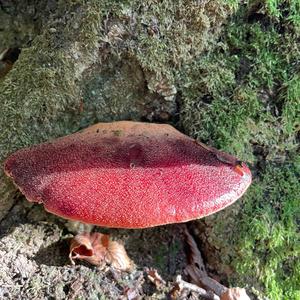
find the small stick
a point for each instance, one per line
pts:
(196, 268)
(213, 285)
(192, 287)
(196, 257)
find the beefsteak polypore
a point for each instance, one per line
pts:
(128, 175)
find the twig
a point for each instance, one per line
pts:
(196, 269)
(196, 257)
(213, 285)
(192, 287)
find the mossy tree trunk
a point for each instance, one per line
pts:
(224, 72)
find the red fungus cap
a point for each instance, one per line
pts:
(128, 175)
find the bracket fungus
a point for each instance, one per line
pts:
(128, 175)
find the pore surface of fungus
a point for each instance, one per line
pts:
(128, 175)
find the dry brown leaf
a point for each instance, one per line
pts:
(117, 256)
(235, 294)
(89, 247)
(97, 249)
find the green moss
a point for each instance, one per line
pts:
(172, 33)
(291, 105)
(109, 90)
(244, 96)
(20, 22)
(268, 239)
(245, 92)
(47, 74)
(288, 11)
